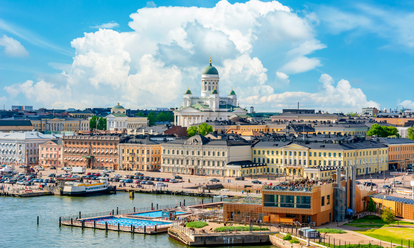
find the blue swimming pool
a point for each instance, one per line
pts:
(128, 222)
(155, 214)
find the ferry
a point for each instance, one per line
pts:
(80, 189)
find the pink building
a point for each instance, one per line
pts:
(50, 153)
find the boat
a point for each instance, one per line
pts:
(80, 189)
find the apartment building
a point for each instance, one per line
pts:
(51, 153)
(400, 152)
(140, 154)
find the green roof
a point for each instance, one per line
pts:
(210, 70)
(118, 106)
(214, 91)
(188, 92)
(199, 106)
(232, 93)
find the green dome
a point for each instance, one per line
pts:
(188, 92)
(232, 93)
(210, 70)
(214, 91)
(118, 106)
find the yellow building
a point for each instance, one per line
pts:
(60, 124)
(139, 154)
(342, 129)
(318, 160)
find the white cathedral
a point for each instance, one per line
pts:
(210, 105)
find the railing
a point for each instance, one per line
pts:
(244, 200)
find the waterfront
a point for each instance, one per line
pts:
(19, 229)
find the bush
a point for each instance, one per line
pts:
(294, 241)
(287, 237)
(196, 224)
(330, 230)
(239, 228)
(388, 216)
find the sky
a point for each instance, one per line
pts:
(337, 56)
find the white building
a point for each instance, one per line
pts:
(13, 147)
(210, 105)
(118, 119)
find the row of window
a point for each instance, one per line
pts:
(318, 154)
(400, 148)
(193, 162)
(287, 201)
(90, 142)
(96, 159)
(129, 159)
(205, 153)
(155, 151)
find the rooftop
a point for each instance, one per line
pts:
(300, 185)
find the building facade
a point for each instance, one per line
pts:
(210, 105)
(51, 153)
(201, 156)
(91, 151)
(15, 125)
(400, 153)
(140, 154)
(60, 124)
(15, 146)
(118, 120)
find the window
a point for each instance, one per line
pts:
(320, 154)
(258, 152)
(254, 152)
(328, 199)
(323, 201)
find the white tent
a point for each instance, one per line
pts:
(5, 169)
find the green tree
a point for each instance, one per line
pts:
(102, 123)
(352, 114)
(92, 122)
(97, 123)
(410, 133)
(371, 205)
(204, 129)
(151, 118)
(388, 215)
(191, 131)
(141, 114)
(381, 131)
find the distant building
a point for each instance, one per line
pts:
(307, 115)
(23, 108)
(162, 109)
(51, 153)
(140, 154)
(118, 119)
(15, 125)
(82, 114)
(370, 111)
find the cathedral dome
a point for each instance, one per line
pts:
(214, 91)
(188, 92)
(210, 70)
(118, 107)
(232, 93)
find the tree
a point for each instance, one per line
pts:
(371, 205)
(151, 118)
(97, 123)
(381, 131)
(92, 122)
(102, 123)
(191, 131)
(204, 129)
(410, 133)
(352, 114)
(141, 114)
(388, 215)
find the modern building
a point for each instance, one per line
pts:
(25, 108)
(91, 151)
(15, 125)
(139, 154)
(15, 145)
(51, 153)
(402, 207)
(400, 152)
(210, 105)
(118, 119)
(200, 156)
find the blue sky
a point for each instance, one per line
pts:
(331, 55)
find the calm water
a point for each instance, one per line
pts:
(18, 226)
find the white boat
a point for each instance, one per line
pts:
(77, 188)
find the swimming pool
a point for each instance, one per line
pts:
(128, 222)
(155, 214)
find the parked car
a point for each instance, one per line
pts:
(240, 178)
(52, 175)
(53, 168)
(215, 180)
(256, 182)
(166, 180)
(177, 177)
(21, 166)
(386, 186)
(106, 171)
(150, 183)
(173, 181)
(397, 182)
(137, 181)
(139, 174)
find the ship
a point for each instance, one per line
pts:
(82, 189)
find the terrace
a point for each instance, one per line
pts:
(300, 185)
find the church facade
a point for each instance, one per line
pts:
(118, 120)
(209, 106)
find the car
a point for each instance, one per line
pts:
(143, 182)
(137, 181)
(138, 174)
(66, 169)
(46, 181)
(150, 183)
(53, 168)
(88, 174)
(166, 180)
(136, 177)
(256, 182)
(21, 166)
(106, 171)
(52, 175)
(240, 178)
(397, 182)
(173, 181)
(21, 182)
(117, 175)
(177, 177)
(97, 174)
(146, 178)
(215, 180)
(386, 186)
(141, 177)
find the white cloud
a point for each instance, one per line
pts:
(407, 104)
(342, 97)
(395, 26)
(108, 25)
(300, 64)
(60, 66)
(12, 47)
(282, 79)
(151, 4)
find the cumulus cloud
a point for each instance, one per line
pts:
(407, 104)
(152, 65)
(395, 26)
(12, 47)
(108, 25)
(339, 97)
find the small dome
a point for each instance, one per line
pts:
(214, 91)
(232, 93)
(118, 106)
(188, 92)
